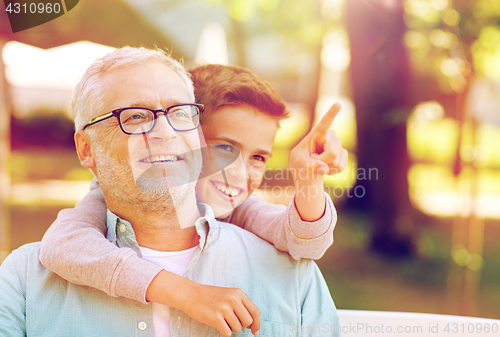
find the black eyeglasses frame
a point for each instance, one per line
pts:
(117, 112)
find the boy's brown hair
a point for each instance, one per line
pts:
(217, 85)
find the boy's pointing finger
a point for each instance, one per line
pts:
(326, 122)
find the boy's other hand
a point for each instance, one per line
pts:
(226, 309)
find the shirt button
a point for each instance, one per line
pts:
(142, 326)
(122, 228)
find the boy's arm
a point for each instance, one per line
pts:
(320, 152)
(283, 227)
(75, 248)
(305, 228)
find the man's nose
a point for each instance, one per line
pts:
(162, 129)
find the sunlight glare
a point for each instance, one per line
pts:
(335, 54)
(212, 47)
(59, 67)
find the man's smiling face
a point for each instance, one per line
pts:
(147, 164)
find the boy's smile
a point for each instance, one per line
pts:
(229, 191)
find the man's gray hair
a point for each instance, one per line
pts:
(88, 92)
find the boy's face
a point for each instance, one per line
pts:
(244, 137)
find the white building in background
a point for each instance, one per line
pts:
(45, 78)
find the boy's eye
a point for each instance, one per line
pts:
(259, 158)
(225, 147)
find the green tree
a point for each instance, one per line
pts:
(404, 53)
(302, 23)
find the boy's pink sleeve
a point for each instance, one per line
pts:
(283, 227)
(75, 248)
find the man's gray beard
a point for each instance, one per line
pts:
(145, 194)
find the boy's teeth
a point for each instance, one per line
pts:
(228, 190)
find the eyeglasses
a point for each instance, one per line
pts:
(137, 121)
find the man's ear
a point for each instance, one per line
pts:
(84, 149)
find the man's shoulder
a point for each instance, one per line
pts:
(24, 258)
(231, 231)
(22, 263)
(237, 239)
(29, 247)
(25, 252)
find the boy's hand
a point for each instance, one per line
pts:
(320, 152)
(226, 309)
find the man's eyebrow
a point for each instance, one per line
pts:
(239, 145)
(135, 104)
(171, 102)
(142, 104)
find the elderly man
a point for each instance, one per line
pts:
(152, 209)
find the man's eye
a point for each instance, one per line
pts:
(134, 117)
(180, 114)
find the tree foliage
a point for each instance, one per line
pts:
(453, 41)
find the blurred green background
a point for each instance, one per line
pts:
(419, 202)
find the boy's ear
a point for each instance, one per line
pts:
(84, 149)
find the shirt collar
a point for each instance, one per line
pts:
(121, 233)
(207, 226)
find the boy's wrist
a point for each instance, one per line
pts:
(170, 289)
(309, 199)
(310, 184)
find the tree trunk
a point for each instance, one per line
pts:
(380, 78)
